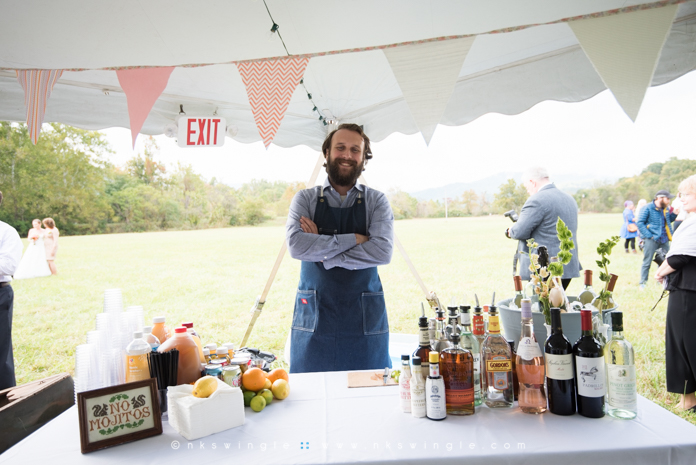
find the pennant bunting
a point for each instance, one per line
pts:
(269, 86)
(142, 88)
(38, 85)
(427, 74)
(625, 49)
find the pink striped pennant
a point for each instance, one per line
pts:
(38, 85)
(270, 85)
(142, 87)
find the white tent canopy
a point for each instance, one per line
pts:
(371, 62)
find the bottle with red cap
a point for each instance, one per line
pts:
(189, 367)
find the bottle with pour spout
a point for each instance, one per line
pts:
(423, 342)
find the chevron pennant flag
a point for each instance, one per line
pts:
(270, 85)
(142, 87)
(37, 85)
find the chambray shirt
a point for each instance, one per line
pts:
(341, 250)
(10, 251)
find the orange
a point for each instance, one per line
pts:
(254, 379)
(278, 373)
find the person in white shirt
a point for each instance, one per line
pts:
(10, 254)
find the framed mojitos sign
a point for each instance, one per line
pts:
(118, 414)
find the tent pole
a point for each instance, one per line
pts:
(260, 300)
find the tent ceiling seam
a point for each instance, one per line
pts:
(640, 7)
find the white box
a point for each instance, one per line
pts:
(194, 418)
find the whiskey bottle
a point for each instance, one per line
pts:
(497, 361)
(621, 373)
(529, 364)
(517, 299)
(515, 381)
(587, 295)
(457, 366)
(435, 405)
(560, 376)
(417, 389)
(423, 342)
(469, 342)
(589, 370)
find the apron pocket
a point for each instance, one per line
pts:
(305, 316)
(374, 313)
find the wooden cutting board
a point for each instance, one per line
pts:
(357, 379)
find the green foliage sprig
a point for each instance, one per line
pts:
(540, 274)
(604, 250)
(108, 431)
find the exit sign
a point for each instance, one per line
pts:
(202, 131)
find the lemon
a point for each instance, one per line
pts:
(280, 389)
(248, 395)
(266, 394)
(267, 384)
(258, 403)
(205, 387)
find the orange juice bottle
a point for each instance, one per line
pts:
(159, 330)
(137, 368)
(197, 340)
(189, 368)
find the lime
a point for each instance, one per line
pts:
(258, 403)
(266, 394)
(248, 395)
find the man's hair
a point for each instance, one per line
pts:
(535, 173)
(49, 222)
(326, 146)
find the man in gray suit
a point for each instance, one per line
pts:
(538, 220)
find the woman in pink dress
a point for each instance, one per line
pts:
(51, 243)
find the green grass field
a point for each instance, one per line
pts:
(212, 277)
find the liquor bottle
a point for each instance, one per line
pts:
(497, 361)
(588, 294)
(469, 342)
(432, 331)
(441, 342)
(621, 373)
(457, 366)
(423, 342)
(435, 405)
(417, 389)
(515, 381)
(589, 370)
(405, 384)
(479, 333)
(529, 364)
(517, 299)
(560, 376)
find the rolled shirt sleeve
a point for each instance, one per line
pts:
(342, 250)
(11, 248)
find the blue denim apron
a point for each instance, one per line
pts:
(340, 319)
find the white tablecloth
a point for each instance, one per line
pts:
(325, 422)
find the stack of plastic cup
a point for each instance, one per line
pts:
(139, 318)
(113, 301)
(101, 339)
(87, 373)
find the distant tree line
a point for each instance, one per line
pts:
(610, 198)
(66, 176)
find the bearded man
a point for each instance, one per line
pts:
(341, 231)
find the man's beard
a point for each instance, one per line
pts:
(346, 180)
